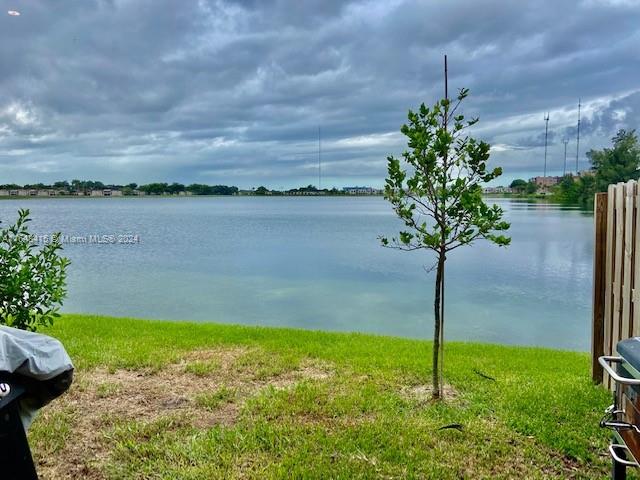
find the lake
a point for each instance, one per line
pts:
(316, 263)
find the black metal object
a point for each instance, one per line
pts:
(15, 456)
(623, 416)
(624, 369)
(618, 469)
(16, 393)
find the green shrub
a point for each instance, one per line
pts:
(32, 279)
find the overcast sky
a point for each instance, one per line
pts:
(234, 92)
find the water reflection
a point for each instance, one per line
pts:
(316, 263)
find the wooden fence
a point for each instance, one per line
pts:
(616, 269)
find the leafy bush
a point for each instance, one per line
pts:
(32, 279)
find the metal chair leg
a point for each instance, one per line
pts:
(619, 470)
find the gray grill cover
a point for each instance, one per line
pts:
(629, 349)
(32, 355)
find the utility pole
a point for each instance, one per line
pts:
(578, 138)
(564, 170)
(546, 132)
(319, 161)
(446, 79)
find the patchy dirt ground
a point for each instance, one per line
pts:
(206, 388)
(423, 394)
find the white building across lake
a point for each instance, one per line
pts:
(53, 192)
(360, 191)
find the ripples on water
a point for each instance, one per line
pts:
(316, 263)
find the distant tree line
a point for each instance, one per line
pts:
(262, 190)
(194, 189)
(77, 186)
(163, 188)
(74, 186)
(619, 163)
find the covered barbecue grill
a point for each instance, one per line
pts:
(623, 416)
(34, 369)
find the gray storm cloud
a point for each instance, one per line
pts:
(234, 92)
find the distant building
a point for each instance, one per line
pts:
(106, 192)
(300, 192)
(497, 190)
(304, 192)
(359, 190)
(47, 193)
(545, 182)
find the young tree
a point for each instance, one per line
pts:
(32, 281)
(439, 197)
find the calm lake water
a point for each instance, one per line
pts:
(316, 263)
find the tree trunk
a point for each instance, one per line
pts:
(442, 281)
(438, 303)
(437, 309)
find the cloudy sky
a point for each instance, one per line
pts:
(225, 92)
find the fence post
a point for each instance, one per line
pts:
(600, 251)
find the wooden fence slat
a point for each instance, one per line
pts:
(618, 266)
(600, 209)
(608, 305)
(616, 272)
(627, 256)
(635, 294)
(632, 245)
(616, 313)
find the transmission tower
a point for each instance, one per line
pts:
(319, 160)
(546, 133)
(578, 138)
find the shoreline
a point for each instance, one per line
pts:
(320, 331)
(537, 198)
(84, 197)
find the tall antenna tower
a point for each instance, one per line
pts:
(546, 133)
(319, 160)
(578, 138)
(564, 169)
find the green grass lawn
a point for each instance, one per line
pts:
(194, 401)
